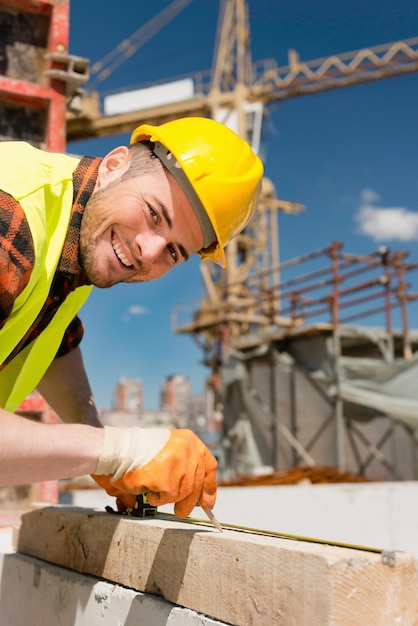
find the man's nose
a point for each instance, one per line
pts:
(151, 246)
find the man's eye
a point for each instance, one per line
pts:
(153, 214)
(173, 252)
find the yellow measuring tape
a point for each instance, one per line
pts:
(272, 533)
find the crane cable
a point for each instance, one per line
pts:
(102, 69)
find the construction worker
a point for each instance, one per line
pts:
(66, 225)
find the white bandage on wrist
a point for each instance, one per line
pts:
(126, 449)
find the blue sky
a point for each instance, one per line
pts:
(348, 155)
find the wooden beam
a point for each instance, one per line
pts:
(238, 577)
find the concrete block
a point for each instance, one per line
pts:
(36, 593)
(241, 578)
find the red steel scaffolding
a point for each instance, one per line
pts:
(38, 78)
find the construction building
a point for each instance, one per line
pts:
(175, 396)
(298, 380)
(128, 395)
(39, 78)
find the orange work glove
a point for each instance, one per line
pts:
(123, 500)
(167, 465)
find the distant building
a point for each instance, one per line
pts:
(128, 395)
(175, 397)
(125, 419)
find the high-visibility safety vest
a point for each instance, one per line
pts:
(42, 183)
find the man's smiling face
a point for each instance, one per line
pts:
(135, 229)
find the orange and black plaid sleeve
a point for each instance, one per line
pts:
(17, 254)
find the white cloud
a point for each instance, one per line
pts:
(134, 309)
(385, 223)
(368, 196)
(137, 309)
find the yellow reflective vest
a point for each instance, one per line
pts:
(42, 184)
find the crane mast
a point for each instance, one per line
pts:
(245, 296)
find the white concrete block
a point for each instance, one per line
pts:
(35, 593)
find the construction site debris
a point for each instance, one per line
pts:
(318, 474)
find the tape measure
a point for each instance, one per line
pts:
(143, 509)
(272, 533)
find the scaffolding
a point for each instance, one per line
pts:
(38, 78)
(314, 386)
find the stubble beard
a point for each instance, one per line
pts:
(89, 245)
(90, 224)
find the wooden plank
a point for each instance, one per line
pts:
(240, 578)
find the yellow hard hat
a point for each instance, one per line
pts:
(217, 170)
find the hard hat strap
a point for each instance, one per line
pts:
(175, 169)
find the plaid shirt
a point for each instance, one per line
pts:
(17, 257)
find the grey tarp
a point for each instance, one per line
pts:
(387, 388)
(369, 387)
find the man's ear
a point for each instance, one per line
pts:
(113, 166)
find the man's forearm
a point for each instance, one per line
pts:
(66, 388)
(168, 465)
(32, 452)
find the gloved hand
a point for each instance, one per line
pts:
(167, 465)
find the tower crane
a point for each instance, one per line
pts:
(237, 91)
